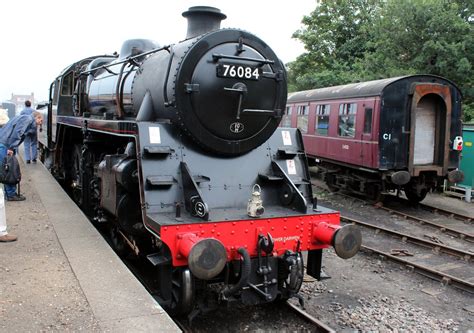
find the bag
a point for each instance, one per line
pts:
(10, 173)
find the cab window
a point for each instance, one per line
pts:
(67, 85)
(55, 92)
(302, 120)
(347, 118)
(322, 119)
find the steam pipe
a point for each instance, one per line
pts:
(244, 275)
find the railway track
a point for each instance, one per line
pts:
(454, 232)
(444, 212)
(442, 228)
(420, 255)
(318, 325)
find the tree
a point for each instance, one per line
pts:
(334, 37)
(429, 37)
(350, 41)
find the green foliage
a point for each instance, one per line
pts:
(359, 40)
(335, 37)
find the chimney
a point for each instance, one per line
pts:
(202, 19)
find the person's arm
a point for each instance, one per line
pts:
(18, 132)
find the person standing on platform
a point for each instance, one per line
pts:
(4, 235)
(31, 137)
(12, 135)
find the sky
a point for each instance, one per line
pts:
(39, 38)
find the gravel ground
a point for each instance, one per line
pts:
(368, 293)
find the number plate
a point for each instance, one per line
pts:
(239, 71)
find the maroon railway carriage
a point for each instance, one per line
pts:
(376, 136)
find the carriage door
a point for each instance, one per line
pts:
(430, 124)
(425, 124)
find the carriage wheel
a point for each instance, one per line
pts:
(331, 182)
(415, 196)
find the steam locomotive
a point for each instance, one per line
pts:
(384, 135)
(176, 151)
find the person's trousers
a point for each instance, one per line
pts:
(3, 216)
(31, 147)
(10, 190)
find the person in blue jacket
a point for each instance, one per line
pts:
(31, 137)
(12, 135)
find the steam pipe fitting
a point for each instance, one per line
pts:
(244, 276)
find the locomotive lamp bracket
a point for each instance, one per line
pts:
(193, 201)
(299, 201)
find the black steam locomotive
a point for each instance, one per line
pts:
(176, 150)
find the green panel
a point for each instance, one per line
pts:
(467, 161)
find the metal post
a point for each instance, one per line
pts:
(468, 194)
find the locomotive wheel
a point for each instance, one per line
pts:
(76, 175)
(117, 242)
(293, 282)
(415, 196)
(182, 292)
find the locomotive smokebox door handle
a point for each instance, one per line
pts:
(240, 88)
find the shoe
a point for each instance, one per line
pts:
(8, 238)
(27, 161)
(16, 198)
(34, 160)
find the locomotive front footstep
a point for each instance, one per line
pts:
(177, 151)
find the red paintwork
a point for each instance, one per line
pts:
(286, 232)
(361, 150)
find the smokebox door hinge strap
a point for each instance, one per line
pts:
(193, 201)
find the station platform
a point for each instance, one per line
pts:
(61, 275)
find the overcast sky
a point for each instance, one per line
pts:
(39, 38)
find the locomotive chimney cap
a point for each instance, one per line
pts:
(205, 10)
(202, 19)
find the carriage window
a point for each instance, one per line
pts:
(347, 113)
(368, 120)
(67, 85)
(286, 121)
(302, 122)
(322, 120)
